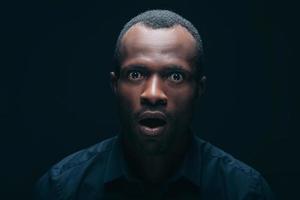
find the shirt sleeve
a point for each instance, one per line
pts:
(260, 191)
(47, 188)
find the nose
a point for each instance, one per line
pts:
(153, 94)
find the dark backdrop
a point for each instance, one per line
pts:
(57, 97)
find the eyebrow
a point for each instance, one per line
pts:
(143, 67)
(135, 66)
(176, 68)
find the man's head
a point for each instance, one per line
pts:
(158, 19)
(157, 80)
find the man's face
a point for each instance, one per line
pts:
(156, 89)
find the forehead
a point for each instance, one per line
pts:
(174, 43)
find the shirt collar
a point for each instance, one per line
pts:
(190, 168)
(115, 167)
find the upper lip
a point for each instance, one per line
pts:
(153, 115)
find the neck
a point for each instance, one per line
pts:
(156, 168)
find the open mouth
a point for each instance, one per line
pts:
(152, 122)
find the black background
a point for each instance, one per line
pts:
(57, 98)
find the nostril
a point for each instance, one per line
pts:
(153, 102)
(158, 98)
(162, 102)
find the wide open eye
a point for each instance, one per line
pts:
(176, 77)
(135, 76)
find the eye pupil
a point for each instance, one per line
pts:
(176, 77)
(134, 75)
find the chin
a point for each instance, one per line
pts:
(153, 148)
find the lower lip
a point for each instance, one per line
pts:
(152, 131)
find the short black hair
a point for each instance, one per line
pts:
(157, 19)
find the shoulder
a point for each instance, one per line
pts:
(225, 174)
(82, 157)
(64, 177)
(218, 159)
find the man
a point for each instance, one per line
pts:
(157, 80)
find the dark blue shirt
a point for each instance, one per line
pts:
(100, 172)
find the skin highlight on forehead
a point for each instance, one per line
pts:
(175, 41)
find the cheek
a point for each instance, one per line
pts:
(128, 97)
(182, 100)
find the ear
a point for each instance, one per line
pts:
(201, 86)
(113, 82)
